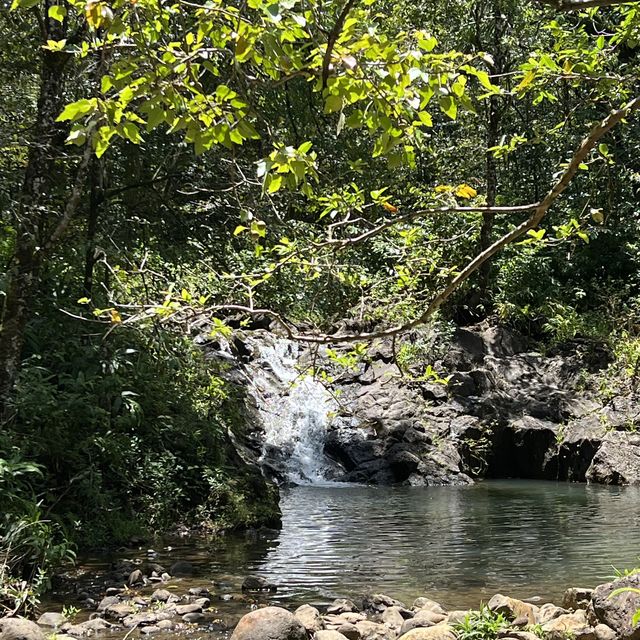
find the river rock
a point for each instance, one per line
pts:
(576, 598)
(270, 623)
(604, 633)
(149, 630)
(107, 602)
(135, 577)
(349, 631)
(193, 616)
(162, 595)
(392, 617)
(95, 624)
(379, 602)
(456, 617)
(549, 611)
(438, 632)
(141, 619)
(183, 609)
(327, 634)
(310, 618)
(513, 609)
(257, 583)
(51, 619)
(119, 610)
(19, 629)
(572, 625)
(617, 611)
(431, 605)
(374, 631)
(342, 605)
(422, 618)
(166, 625)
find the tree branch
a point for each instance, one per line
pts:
(334, 34)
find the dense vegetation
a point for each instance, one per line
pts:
(342, 168)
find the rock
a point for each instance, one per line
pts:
(141, 619)
(310, 618)
(194, 616)
(549, 611)
(456, 617)
(349, 631)
(51, 619)
(199, 591)
(150, 629)
(120, 610)
(183, 609)
(604, 633)
(513, 609)
(329, 635)
(19, 629)
(572, 625)
(617, 611)
(161, 595)
(379, 602)
(618, 459)
(423, 618)
(256, 583)
(107, 602)
(165, 624)
(135, 577)
(426, 603)
(182, 568)
(270, 623)
(438, 632)
(519, 635)
(203, 602)
(342, 605)
(95, 624)
(576, 598)
(373, 631)
(392, 617)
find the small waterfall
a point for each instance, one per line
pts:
(295, 409)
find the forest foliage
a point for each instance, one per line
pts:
(343, 168)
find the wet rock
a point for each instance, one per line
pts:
(342, 605)
(182, 568)
(572, 625)
(513, 609)
(438, 632)
(20, 629)
(257, 583)
(617, 611)
(329, 635)
(374, 631)
(51, 619)
(193, 617)
(310, 618)
(113, 591)
(183, 609)
(576, 598)
(95, 624)
(166, 625)
(140, 619)
(270, 623)
(199, 591)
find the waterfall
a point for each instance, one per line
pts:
(296, 410)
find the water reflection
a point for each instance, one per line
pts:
(458, 544)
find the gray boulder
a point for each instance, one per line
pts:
(617, 611)
(270, 623)
(19, 629)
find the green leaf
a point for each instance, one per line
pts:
(239, 229)
(77, 109)
(57, 12)
(449, 106)
(333, 104)
(131, 132)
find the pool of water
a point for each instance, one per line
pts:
(458, 545)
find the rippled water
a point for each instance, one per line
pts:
(458, 545)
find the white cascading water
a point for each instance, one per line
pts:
(296, 410)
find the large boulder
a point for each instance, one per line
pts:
(617, 611)
(19, 629)
(570, 625)
(618, 460)
(310, 618)
(270, 623)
